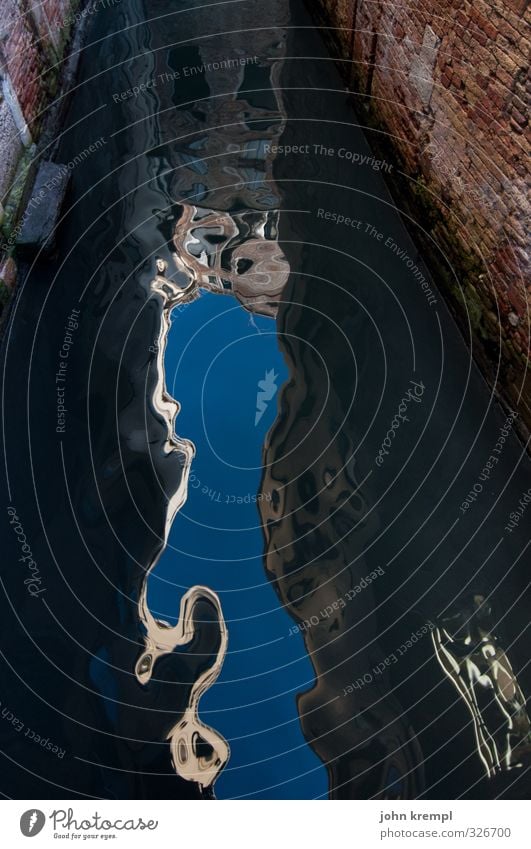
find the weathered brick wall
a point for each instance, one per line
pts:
(449, 83)
(33, 35)
(21, 59)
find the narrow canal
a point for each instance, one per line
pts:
(235, 383)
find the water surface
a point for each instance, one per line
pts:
(243, 444)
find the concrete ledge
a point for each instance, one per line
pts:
(42, 212)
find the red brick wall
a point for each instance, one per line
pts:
(33, 37)
(31, 31)
(450, 82)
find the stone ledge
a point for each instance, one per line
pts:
(42, 212)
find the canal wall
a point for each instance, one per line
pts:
(443, 89)
(35, 71)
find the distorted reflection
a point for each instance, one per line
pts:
(198, 752)
(232, 249)
(232, 254)
(317, 524)
(478, 667)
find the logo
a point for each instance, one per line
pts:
(266, 391)
(32, 822)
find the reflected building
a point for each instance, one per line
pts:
(316, 523)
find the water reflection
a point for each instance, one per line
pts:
(235, 254)
(224, 240)
(317, 526)
(198, 752)
(184, 205)
(223, 254)
(472, 658)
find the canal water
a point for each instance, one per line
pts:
(234, 378)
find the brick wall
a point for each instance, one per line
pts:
(449, 83)
(33, 36)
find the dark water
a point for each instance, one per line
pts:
(332, 425)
